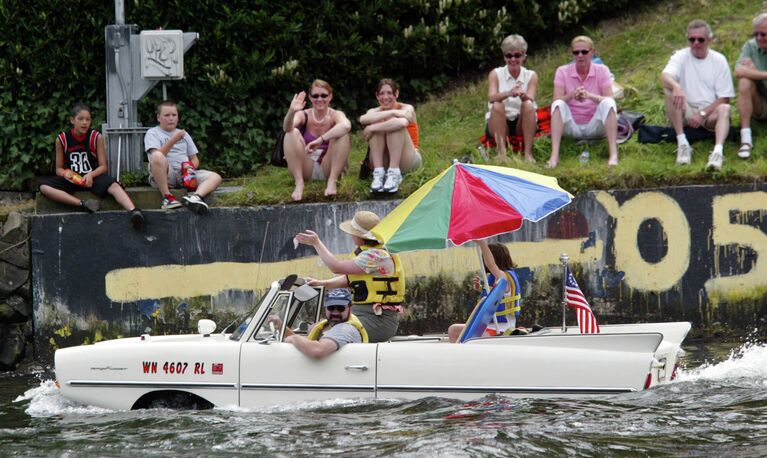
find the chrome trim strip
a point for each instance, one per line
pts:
(353, 388)
(126, 384)
(502, 389)
(435, 389)
(306, 387)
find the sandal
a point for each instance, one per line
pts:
(745, 151)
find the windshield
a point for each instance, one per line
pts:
(296, 314)
(278, 308)
(246, 321)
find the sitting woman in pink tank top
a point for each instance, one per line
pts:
(316, 141)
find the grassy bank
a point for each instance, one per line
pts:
(635, 48)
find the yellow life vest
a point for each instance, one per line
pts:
(512, 299)
(316, 332)
(375, 288)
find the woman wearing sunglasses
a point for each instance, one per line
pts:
(316, 143)
(583, 105)
(511, 104)
(391, 130)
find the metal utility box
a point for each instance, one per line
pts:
(162, 54)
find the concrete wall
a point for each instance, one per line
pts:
(696, 253)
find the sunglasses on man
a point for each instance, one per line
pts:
(336, 308)
(694, 39)
(760, 34)
(582, 52)
(516, 55)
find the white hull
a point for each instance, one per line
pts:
(115, 374)
(252, 367)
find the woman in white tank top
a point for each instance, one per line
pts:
(511, 107)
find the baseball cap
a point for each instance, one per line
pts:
(338, 296)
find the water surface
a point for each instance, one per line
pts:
(717, 406)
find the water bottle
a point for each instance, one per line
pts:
(483, 152)
(584, 157)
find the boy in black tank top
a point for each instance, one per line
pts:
(81, 164)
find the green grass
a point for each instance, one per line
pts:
(636, 48)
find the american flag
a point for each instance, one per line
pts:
(587, 322)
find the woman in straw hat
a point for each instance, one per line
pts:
(374, 275)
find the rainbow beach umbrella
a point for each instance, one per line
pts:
(469, 202)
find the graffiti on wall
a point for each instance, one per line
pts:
(688, 250)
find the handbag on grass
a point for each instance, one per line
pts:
(278, 153)
(365, 167)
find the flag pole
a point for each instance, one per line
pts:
(563, 258)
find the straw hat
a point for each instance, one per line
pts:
(361, 225)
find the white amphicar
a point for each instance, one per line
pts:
(251, 366)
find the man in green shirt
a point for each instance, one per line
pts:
(751, 71)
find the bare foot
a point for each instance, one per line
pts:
(529, 158)
(612, 162)
(501, 159)
(551, 164)
(331, 190)
(298, 193)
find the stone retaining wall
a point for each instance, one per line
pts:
(15, 291)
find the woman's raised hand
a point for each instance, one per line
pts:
(299, 102)
(308, 237)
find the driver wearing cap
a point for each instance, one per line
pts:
(338, 329)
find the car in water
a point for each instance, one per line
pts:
(249, 365)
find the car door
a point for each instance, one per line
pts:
(273, 372)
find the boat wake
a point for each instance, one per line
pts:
(747, 363)
(46, 400)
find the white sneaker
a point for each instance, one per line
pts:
(715, 161)
(393, 179)
(195, 204)
(378, 181)
(745, 151)
(683, 154)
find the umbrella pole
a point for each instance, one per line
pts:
(482, 268)
(484, 279)
(563, 258)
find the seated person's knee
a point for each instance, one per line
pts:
(157, 159)
(527, 107)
